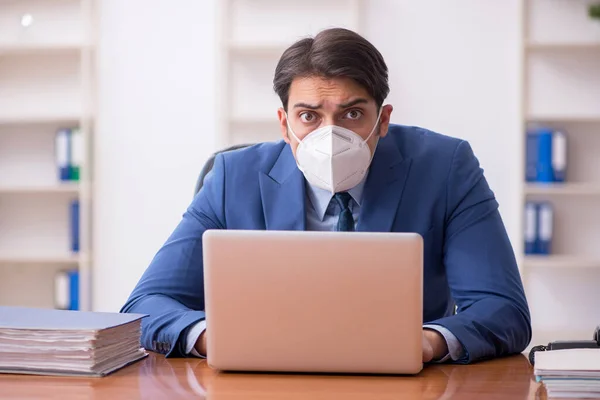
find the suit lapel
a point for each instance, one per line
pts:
(283, 193)
(383, 188)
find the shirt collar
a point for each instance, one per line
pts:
(320, 198)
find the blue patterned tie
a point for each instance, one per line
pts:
(346, 220)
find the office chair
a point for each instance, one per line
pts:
(210, 162)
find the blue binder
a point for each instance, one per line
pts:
(63, 154)
(544, 156)
(531, 156)
(545, 228)
(74, 222)
(559, 156)
(66, 290)
(531, 228)
(73, 290)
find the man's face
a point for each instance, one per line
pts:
(315, 102)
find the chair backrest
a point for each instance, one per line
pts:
(209, 165)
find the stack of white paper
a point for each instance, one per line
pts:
(573, 373)
(58, 342)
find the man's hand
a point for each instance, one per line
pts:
(434, 345)
(200, 345)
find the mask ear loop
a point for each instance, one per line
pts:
(287, 122)
(364, 143)
(374, 127)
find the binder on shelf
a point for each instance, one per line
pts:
(63, 153)
(531, 156)
(531, 228)
(559, 156)
(76, 154)
(74, 225)
(538, 228)
(545, 155)
(545, 228)
(66, 290)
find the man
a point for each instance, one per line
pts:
(342, 166)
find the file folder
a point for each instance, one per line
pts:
(74, 225)
(544, 156)
(531, 225)
(63, 153)
(559, 156)
(77, 150)
(66, 290)
(61, 290)
(531, 156)
(73, 290)
(545, 228)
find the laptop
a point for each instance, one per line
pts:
(320, 302)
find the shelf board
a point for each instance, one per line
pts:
(40, 48)
(560, 261)
(557, 46)
(586, 119)
(65, 188)
(563, 189)
(50, 259)
(39, 119)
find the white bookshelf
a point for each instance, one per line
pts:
(253, 37)
(560, 261)
(46, 84)
(561, 89)
(58, 188)
(44, 48)
(565, 119)
(563, 189)
(40, 259)
(563, 47)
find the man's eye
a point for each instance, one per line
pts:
(354, 114)
(307, 117)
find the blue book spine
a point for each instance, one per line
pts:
(74, 217)
(63, 154)
(545, 228)
(544, 164)
(531, 156)
(559, 156)
(531, 225)
(74, 290)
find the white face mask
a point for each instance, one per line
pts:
(334, 158)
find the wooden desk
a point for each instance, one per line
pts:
(158, 378)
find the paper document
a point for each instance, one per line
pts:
(61, 342)
(573, 373)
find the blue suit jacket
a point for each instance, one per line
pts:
(419, 181)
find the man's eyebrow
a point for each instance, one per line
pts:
(353, 103)
(309, 106)
(345, 105)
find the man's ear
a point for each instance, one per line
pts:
(384, 120)
(282, 116)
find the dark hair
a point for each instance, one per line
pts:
(335, 52)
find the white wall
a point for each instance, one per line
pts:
(452, 69)
(154, 131)
(455, 69)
